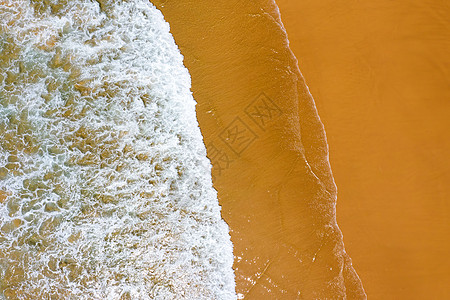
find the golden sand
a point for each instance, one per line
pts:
(268, 150)
(379, 72)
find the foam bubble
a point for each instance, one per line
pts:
(105, 188)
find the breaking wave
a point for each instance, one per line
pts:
(105, 187)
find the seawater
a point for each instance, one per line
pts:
(105, 187)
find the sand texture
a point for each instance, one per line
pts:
(379, 73)
(268, 150)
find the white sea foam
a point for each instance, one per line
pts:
(105, 188)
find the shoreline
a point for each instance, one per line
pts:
(274, 184)
(379, 75)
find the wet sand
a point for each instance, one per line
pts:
(268, 150)
(379, 73)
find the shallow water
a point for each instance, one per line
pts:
(268, 149)
(105, 187)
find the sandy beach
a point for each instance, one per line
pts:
(326, 125)
(268, 150)
(379, 75)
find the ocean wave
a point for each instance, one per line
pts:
(105, 187)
